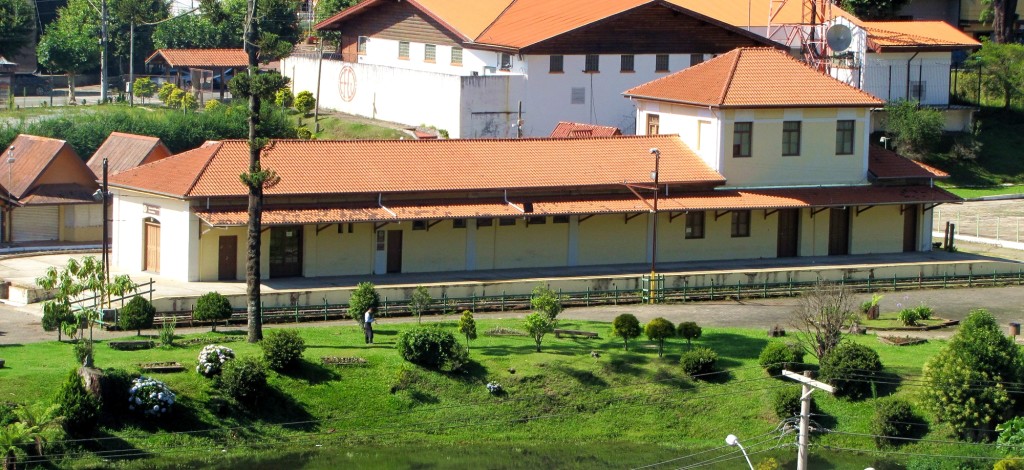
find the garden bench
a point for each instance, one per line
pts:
(574, 333)
(131, 345)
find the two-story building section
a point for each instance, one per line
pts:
(504, 68)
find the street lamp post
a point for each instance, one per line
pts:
(103, 195)
(10, 195)
(654, 234)
(732, 440)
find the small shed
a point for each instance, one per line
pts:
(126, 151)
(207, 62)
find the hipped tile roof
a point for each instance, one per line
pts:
(32, 156)
(753, 78)
(916, 35)
(699, 200)
(886, 164)
(124, 151)
(201, 58)
(407, 166)
(577, 129)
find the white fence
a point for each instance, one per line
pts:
(975, 224)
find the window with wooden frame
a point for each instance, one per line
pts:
(661, 63)
(696, 59)
(844, 137)
(740, 224)
(361, 45)
(403, 50)
(430, 53)
(695, 225)
(626, 63)
(790, 138)
(456, 55)
(592, 63)
(742, 133)
(653, 124)
(505, 61)
(556, 64)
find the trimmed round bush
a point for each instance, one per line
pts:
(362, 299)
(244, 379)
(432, 348)
(212, 307)
(851, 368)
(698, 361)
(658, 330)
(894, 418)
(136, 315)
(79, 409)
(212, 359)
(688, 330)
(150, 397)
(778, 355)
(786, 402)
(627, 327)
(282, 349)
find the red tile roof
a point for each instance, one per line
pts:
(32, 156)
(755, 13)
(200, 58)
(697, 200)
(576, 129)
(886, 164)
(741, 79)
(310, 167)
(124, 151)
(886, 36)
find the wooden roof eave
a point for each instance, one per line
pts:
(363, 6)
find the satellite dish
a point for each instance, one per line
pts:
(839, 37)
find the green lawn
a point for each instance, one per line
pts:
(998, 161)
(889, 320)
(971, 193)
(560, 396)
(340, 128)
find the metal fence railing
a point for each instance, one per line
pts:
(977, 224)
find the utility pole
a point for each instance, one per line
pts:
(131, 64)
(809, 385)
(104, 52)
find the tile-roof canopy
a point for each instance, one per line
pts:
(789, 198)
(889, 36)
(312, 167)
(578, 129)
(754, 78)
(122, 151)
(200, 58)
(886, 164)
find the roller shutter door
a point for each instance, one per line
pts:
(35, 223)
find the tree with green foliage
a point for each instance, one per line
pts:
(467, 326)
(915, 129)
(124, 24)
(852, 368)
(538, 325)
(69, 43)
(362, 299)
(1002, 69)
(689, 331)
(1001, 14)
(328, 8)
(17, 23)
(38, 419)
(194, 31)
(874, 9)
(188, 102)
(627, 327)
(546, 302)
(138, 314)
(76, 406)
(284, 98)
(12, 437)
(965, 383)
(176, 98)
(143, 88)
(80, 290)
(304, 102)
(1011, 435)
(419, 302)
(212, 307)
(165, 91)
(658, 330)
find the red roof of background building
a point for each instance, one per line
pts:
(124, 151)
(201, 58)
(577, 129)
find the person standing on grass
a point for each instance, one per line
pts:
(368, 325)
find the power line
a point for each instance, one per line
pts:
(913, 439)
(916, 454)
(663, 462)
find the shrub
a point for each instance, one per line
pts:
(115, 385)
(908, 316)
(283, 349)
(244, 380)
(138, 314)
(657, 330)
(304, 102)
(143, 88)
(284, 97)
(303, 132)
(786, 402)
(79, 409)
(55, 315)
(419, 302)
(174, 100)
(546, 302)
(892, 422)
(698, 361)
(627, 327)
(213, 358)
(777, 355)
(924, 312)
(1011, 436)
(1011, 463)
(915, 129)
(956, 379)
(467, 326)
(150, 397)
(212, 307)
(212, 105)
(165, 91)
(432, 348)
(83, 349)
(688, 330)
(167, 334)
(851, 368)
(362, 299)
(189, 101)
(538, 325)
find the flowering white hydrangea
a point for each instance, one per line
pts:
(212, 359)
(150, 397)
(494, 387)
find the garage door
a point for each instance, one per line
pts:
(35, 223)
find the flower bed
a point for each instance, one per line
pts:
(212, 359)
(224, 339)
(150, 397)
(343, 361)
(901, 341)
(161, 367)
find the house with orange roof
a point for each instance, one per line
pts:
(51, 190)
(498, 68)
(210, 65)
(763, 135)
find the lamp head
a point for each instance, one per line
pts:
(10, 154)
(732, 440)
(655, 152)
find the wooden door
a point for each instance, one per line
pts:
(910, 219)
(286, 251)
(789, 233)
(227, 258)
(394, 251)
(839, 232)
(152, 251)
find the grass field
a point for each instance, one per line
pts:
(560, 395)
(972, 193)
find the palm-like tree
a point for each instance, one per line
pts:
(37, 419)
(11, 437)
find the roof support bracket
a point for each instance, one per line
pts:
(631, 188)
(767, 213)
(431, 224)
(673, 215)
(719, 214)
(379, 225)
(928, 207)
(862, 209)
(264, 229)
(903, 208)
(319, 228)
(583, 218)
(815, 211)
(630, 217)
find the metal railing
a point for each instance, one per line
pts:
(976, 224)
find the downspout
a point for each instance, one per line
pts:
(911, 59)
(380, 203)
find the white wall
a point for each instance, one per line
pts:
(178, 234)
(385, 52)
(686, 122)
(931, 67)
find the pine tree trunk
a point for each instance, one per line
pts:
(252, 258)
(1003, 13)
